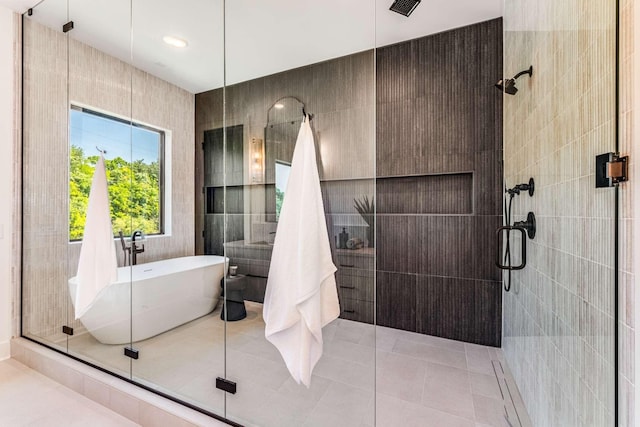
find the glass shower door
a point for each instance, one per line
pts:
(184, 357)
(45, 226)
(263, 116)
(99, 108)
(559, 313)
(438, 188)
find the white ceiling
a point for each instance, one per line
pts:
(17, 5)
(262, 37)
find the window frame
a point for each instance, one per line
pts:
(163, 212)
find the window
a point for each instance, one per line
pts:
(282, 178)
(134, 166)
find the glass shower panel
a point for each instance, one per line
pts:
(438, 187)
(176, 329)
(99, 109)
(45, 238)
(559, 324)
(311, 62)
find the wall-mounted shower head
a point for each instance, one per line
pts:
(509, 85)
(404, 7)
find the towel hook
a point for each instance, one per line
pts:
(305, 115)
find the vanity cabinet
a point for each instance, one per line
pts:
(354, 278)
(355, 281)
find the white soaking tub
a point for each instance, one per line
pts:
(149, 299)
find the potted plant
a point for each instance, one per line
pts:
(366, 210)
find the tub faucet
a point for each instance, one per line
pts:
(135, 249)
(126, 249)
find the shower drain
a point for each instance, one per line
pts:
(514, 411)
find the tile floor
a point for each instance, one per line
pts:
(28, 398)
(420, 380)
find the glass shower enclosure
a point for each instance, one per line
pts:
(198, 106)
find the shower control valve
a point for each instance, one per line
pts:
(529, 225)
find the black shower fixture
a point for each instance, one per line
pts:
(509, 85)
(404, 7)
(530, 187)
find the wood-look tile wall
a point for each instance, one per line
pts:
(439, 178)
(558, 317)
(57, 72)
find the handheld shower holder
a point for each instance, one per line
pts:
(526, 228)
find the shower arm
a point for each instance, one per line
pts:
(522, 73)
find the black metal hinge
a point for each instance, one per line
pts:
(130, 352)
(67, 27)
(30, 11)
(226, 385)
(67, 330)
(611, 169)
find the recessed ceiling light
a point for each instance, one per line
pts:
(174, 41)
(279, 106)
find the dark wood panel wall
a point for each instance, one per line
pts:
(439, 178)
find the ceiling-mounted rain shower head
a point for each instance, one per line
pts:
(509, 85)
(404, 7)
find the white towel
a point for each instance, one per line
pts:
(97, 266)
(301, 295)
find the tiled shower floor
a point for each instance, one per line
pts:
(420, 380)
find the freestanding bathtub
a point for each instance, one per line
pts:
(149, 299)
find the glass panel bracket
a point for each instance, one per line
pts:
(131, 352)
(67, 27)
(611, 169)
(226, 385)
(67, 330)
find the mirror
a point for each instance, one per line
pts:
(284, 118)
